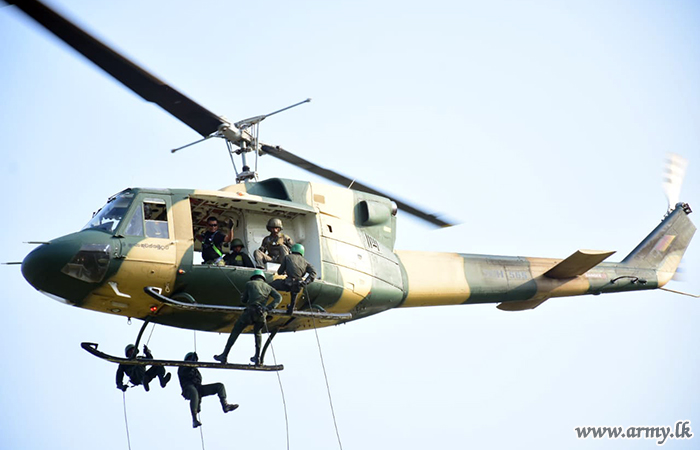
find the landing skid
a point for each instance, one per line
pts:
(91, 348)
(239, 309)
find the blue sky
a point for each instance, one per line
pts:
(540, 126)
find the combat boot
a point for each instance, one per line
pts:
(196, 423)
(164, 380)
(222, 358)
(227, 407)
(255, 360)
(146, 386)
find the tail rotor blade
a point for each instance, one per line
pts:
(672, 180)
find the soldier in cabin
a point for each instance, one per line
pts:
(238, 257)
(255, 296)
(137, 373)
(193, 389)
(212, 240)
(275, 246)
(299, 274)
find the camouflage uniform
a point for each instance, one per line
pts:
(238, 259)
(295, 266)
(255, 295)
(273, 249)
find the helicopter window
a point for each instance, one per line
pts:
(135, 227)
(155, 213)
(108, 217)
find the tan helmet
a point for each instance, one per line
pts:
(274, 222)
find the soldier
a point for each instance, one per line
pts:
(255, 295)
(137, 373)
(275, 246)
(212, 239)
(296, 267)
(193, 389)
(238, 257)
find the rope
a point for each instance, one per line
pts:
(126, 421)
(328, 388)
(149, 336)
(201, 432)
(279, 381)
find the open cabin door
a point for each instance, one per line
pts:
(250, 217)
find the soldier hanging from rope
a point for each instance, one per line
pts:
(193, 389)
(137, 373)
(255, 296)
(295, 266)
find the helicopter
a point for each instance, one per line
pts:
(138, 256)
(524, 368)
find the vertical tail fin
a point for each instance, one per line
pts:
(663, 249)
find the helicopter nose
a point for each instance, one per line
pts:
(66, 268)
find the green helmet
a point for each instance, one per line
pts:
(258, 273)
(191, 356)
(237, 243)
(298, 248)
(129, 348)
(274, 222)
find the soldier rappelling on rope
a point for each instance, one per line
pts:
(299, 274)
(193, 389)
(255, 296)
(137, 373)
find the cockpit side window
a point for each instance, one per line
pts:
(155, 214)
(135, 226)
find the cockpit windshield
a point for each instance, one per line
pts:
(108, 217)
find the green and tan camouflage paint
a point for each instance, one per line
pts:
(359, 271)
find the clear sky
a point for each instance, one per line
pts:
(541, 126)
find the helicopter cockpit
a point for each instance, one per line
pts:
(110, 215)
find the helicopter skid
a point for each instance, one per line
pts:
(91, 348)
(239, 309)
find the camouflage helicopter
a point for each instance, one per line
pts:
(138, 256)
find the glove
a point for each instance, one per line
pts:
(230, 224)
(122, 387)
(145, 349)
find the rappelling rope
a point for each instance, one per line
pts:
(279, 381)
(149, 336)
(201, 432)
(126, 421)
(328, 388)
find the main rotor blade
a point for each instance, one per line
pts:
(291, 158)
(128, 73)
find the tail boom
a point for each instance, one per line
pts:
(519, 283)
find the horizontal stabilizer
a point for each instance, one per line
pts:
(522, 305)
(577, 264)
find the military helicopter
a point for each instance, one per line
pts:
(138, 256)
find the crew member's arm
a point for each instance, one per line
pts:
(276, 299)
(229, 235)
(312, 274)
